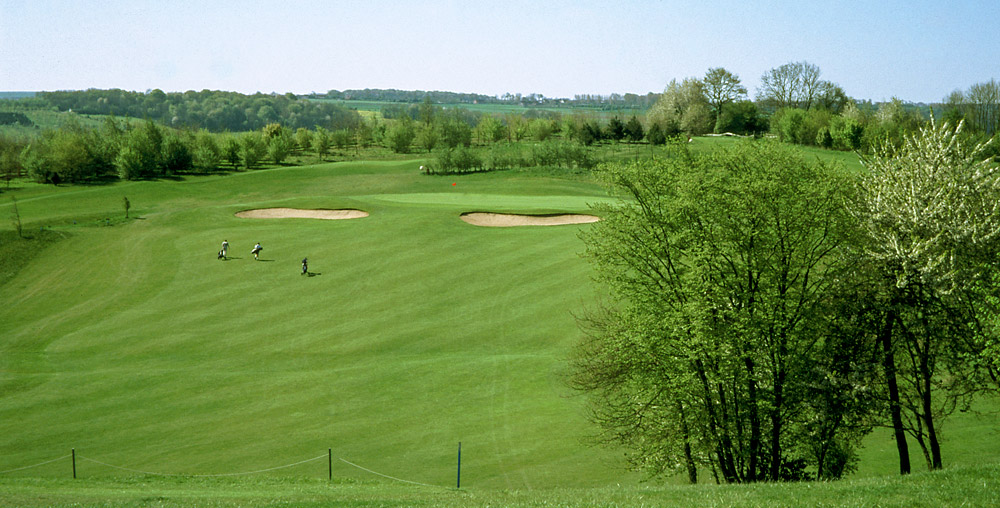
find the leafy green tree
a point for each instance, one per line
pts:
(615, 130)
(721, 88)
(655, 135)
(740, 117)
(303, 138)
(682, 107)
(455, 131)
(129, 163)
(321, 142)
(400, 136)
(342, 138)
(206, 155)
(177, 156)
(929, 210)
(427, 137)
(490, 129)
(726, 276)
(253, 148)
(231, 150)
(634, 131)
(427, 111)
(540, 129)
(516, 128)
(279, 147)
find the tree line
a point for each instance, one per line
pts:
(795, 104)
(214, 111)
(766, 312)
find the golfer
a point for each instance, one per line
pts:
(225, 249)
(305, 266)
(256, 251)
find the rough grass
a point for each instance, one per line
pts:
(972, 486)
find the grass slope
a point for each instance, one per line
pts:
(135, 346)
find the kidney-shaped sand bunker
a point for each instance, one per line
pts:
(297, 213)
(503, 220)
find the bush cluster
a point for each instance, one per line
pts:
(506, 156)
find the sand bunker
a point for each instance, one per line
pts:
(503, 220)
(296, 213)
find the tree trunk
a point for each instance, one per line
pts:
(713, 424)
(755, 433)
(776, 425)
(692, 468)
(928, 417)
(889, 366)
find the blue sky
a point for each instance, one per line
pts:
(918, 51)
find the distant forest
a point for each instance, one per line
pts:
(612, 102)
(218, 111)
(214, 111)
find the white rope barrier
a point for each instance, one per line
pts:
(151, 473)
(387, 476)
(202, 475)
(36, 465)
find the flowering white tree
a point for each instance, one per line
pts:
(931, 213)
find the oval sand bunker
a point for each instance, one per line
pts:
(297, 213)
(503, 220)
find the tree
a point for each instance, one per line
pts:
(279, 147)
(303, 138)
(741, 117)
(253, 147)
(984, 106)
(797, 85)
(682, 107)
(427, 137)
(231, 151)
(455, 131)
(177, 157)
(206, 155)
(427, 110)
(489, 130)
(633, 130)
(721, 88)
(726, 273)
(400, 136)
(615, 130)
(930, 211)
(321, 142)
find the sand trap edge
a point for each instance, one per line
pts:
(299, 213)
(503, 220)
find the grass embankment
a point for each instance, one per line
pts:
(963, 486)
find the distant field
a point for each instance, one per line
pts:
(491, 108)
(16, 95)
(43, 120)
(131, 343)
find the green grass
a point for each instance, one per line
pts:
(972, 486)
(45, 119)
(135, 346)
